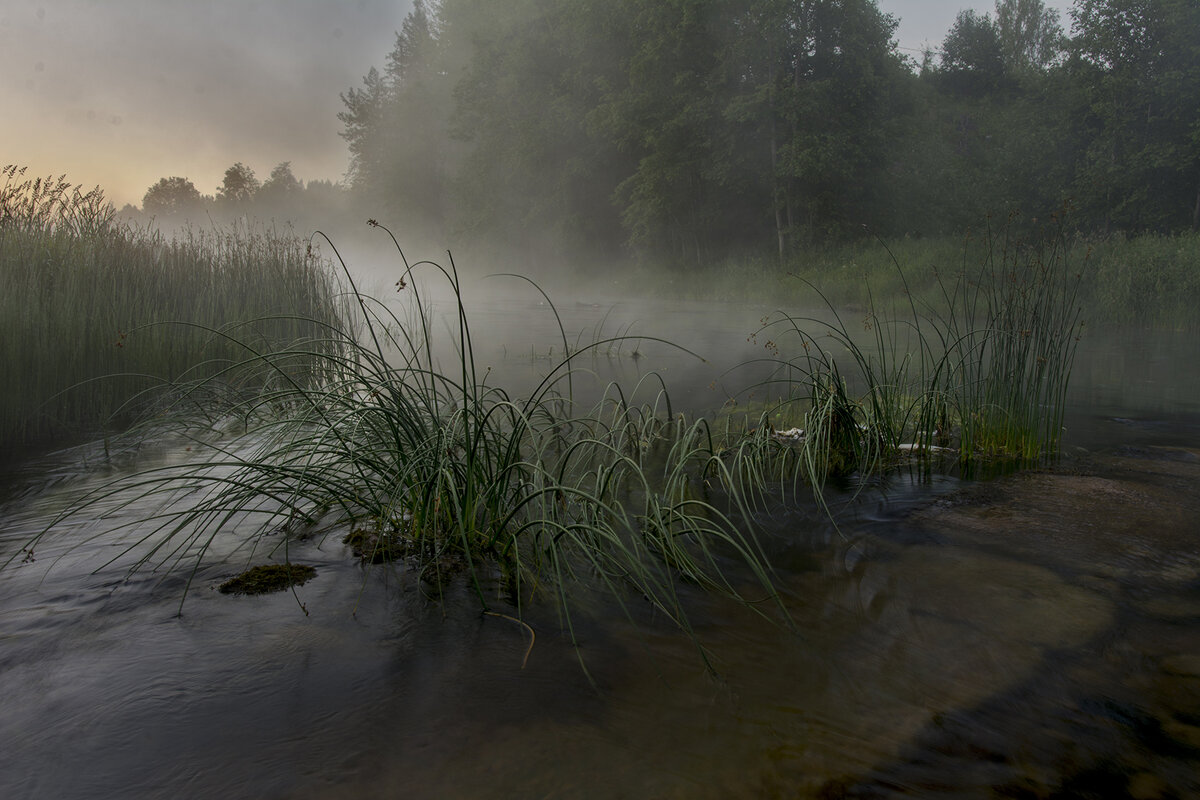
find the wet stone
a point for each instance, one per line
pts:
(1147, 786)
(1182, 732)
(1126, 523)
(1170, 607)
(1187, 664)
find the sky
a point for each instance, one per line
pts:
(121, 93)
(926, 21)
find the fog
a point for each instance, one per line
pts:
(619, 151)
(125, 92)
(818, 374)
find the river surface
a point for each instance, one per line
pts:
(1032, 635)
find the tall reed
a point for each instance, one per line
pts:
(450, 471)
(983, 372)
(97, 316)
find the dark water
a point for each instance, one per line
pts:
(1031, 636)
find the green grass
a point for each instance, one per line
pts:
(1147, 280)
(97, 318)
(527, 496)
(980, 370)
(356, 431)
(1144, 281)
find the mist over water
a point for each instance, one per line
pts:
(924, 632)
(669, 214)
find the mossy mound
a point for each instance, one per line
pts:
(376, 547)
(267, 578)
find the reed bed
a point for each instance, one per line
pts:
(977, 375)
(99, 317)
(449, 473)
(1136, 281)
(358, 432)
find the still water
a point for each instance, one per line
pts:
(1028, 636)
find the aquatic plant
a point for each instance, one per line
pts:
(444, 470)
(1148, 280)
(98, 318)
(267, 578)
(983, 373)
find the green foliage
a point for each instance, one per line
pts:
(1137, 63)
(98, 318)
(444, 466)
(679, 129)
(448, 472)
(1031, 39)
(1147, 280)
(172, 198)
(981, 370)
(688, 131)
(972, 55)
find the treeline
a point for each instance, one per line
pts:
(688, 131)
(282, 197)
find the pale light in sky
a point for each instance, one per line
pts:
(925, 22)
(121, 93)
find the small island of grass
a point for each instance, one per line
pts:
(266, 578)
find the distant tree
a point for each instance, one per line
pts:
(1137, 64)
(412, 59)
(818, 86)
(1031, 39)
(365, 110)
(323, 193)
(281, 186)
(972, 59)
(239, 185)
(171, 197)
(536, 168)
(396, 123)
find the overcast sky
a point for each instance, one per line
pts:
(120, 93)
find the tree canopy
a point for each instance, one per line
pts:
(171, 197)
(238, 186)
(687, 130)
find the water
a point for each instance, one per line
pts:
(1026, 636)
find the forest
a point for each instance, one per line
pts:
(686, 132)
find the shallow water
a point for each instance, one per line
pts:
(1033, 635)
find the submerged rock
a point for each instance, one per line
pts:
(1128, 519)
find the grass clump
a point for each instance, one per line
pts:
(981, 372)
(1147, 280)
(523, 495)
(450, 474)
(98, 318)
(267, 578)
